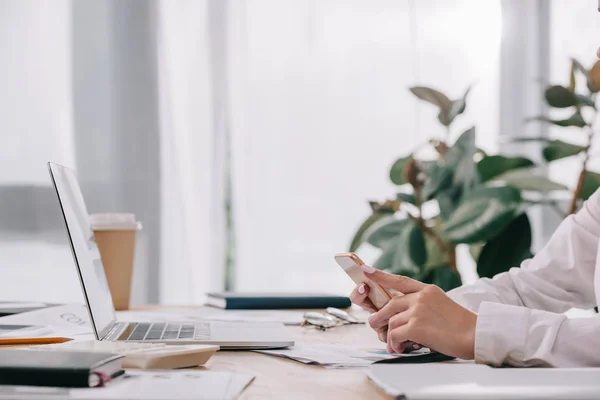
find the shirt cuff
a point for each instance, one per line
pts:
(501, 334)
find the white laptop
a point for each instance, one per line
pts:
(99, 302)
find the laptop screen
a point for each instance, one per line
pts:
(85, 251)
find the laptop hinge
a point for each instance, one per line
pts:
(116, 331)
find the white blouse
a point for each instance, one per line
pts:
(520, 312)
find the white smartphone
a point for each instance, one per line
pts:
(351, 263)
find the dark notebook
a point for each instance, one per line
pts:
(57, 368)
(273, 301)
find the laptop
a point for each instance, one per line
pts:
(99, 301)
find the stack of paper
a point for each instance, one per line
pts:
(335, 355)
(69, 320)
(144, 385)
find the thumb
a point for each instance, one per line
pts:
(400, 283)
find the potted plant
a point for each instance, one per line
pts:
(478, 200)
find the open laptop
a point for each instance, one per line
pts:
(99, 302)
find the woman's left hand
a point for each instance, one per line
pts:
(424, 315)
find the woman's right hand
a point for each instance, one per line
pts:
(359, 296)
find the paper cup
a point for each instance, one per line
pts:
(115, 236)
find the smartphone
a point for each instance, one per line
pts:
(350, 263)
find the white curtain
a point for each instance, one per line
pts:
(146, 98)
(35, 126)
(321, 108)
(192, 246)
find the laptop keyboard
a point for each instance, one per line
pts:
(165, 331)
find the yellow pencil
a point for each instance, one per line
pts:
(42, 340)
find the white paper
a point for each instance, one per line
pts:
(70, 320)
(335, 355)
(23, 331)
(466, 380)
(146, 385)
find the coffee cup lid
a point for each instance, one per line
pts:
(114, 221)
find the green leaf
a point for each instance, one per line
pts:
(574, 120)
(438, 178)
(385, 261)
(358, 238)
(584, 101)
(449, 109)
(475, 250)
(446, 200)
(435, 255)
(560, 97)
(459, 158)
(382, 233)
(492, 166)
(411, 253)
(507, 250)
(406, 197)
(434, 97)
(458, 107)
(456, 170)
(526, 179)
(591, 183)
(443, 277)
(525, 139)
(557, 149)
(397, 170)
(482, 214)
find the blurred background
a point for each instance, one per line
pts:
(248, 136)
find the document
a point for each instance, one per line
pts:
(68, 320)
(146, 385)
(335, 355)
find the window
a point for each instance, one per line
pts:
(321, 109)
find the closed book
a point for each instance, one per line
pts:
(275, 301)
(57, 368)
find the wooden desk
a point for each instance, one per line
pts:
(278, 378)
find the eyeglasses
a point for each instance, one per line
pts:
(330, 319)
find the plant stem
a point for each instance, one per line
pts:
(452, 258)
(424, 228)
(581, 179)
(449, 250)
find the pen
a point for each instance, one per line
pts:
(42, 340)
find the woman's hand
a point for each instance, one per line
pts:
(359, 296)
(424, 315)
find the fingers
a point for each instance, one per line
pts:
(382, 334)
(359, 296)
(398, 338)
(400, 283)
(398, 320)
(396, 305)
(395, 322)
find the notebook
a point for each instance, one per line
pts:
(62, 369)
(274, 301)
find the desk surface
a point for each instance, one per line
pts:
(278, 378)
